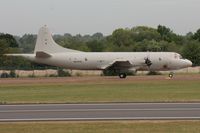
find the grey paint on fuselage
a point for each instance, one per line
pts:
(99, 60)
(47, 51)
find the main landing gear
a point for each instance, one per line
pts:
(122, 75)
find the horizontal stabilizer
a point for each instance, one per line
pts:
(16, 55)
(41, 54)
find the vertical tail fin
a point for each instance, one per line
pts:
(45, 43)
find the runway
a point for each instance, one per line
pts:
(115, 111)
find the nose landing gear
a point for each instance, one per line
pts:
(171, 75)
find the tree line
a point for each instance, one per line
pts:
(136, 39)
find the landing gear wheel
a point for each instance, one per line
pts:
(171, 75)
(122, 75)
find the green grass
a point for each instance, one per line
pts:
(138, 91)
(103, 127)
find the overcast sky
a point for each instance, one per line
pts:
(90, 16)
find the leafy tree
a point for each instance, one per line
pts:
(96, 46)
(3, 47)
(9, 40)
(192, 52)
(189, 36)
(196, 36)
(141, 33)
(165, 33)
(97, 36)
(121, 37)
(168, 35)
(27, 43)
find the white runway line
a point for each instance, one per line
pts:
(103, 111)
(100, 118)
(95, 110)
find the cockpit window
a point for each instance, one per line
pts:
(178, 56)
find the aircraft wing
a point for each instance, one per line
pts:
(119, 64)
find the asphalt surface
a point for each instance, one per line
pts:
(118, 111)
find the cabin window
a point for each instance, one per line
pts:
(100, 61)
(45, 41)
(178, 56)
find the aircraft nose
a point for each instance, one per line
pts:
(188, 63)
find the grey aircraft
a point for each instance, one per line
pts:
(48, 52)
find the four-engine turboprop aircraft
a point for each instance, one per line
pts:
(48, 52)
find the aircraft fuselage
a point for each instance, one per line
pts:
(161, 61)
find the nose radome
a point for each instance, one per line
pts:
(189, 63)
